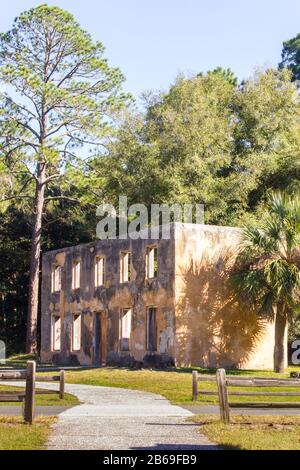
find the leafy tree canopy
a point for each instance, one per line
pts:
(58, 93)
(290, 56)
(210, 142)
(228, 74)
(58, 100)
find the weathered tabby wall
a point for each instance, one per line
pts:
(212, 328)
(108, 300)
(199, 319)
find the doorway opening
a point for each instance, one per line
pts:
(99, 358)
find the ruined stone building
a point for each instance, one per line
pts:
(155, 301)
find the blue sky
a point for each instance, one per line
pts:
(153, 40)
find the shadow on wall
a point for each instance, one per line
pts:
(213, 328)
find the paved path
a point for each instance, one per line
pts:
(53, 410)
(115, 418)
(214, 409)
(40, 410)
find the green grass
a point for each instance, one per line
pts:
(45, 400)
(175, 384)
(15, 435)
(252, 432)
(18, 360)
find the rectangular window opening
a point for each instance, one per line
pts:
(76, 332)
(56, 278)
(125, 329)
(76, 275)
(99, 271)
(151, 262)
(56, 333)
(151, 329)
(125, 266)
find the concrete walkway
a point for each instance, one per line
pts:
(115, 418)
(215, 410)
(40, 410)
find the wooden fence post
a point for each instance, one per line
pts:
(29, 392)
(62, 385)
(223, 396)
(195, 385)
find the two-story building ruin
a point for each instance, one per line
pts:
(151, 301)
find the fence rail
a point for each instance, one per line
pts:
(28, 395)
(223, 382)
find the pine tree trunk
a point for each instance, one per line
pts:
(280, 347)
(32, 316)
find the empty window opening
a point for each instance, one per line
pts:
(56, 333)
(76, 275)
(125, 266)
(151, 262)
(99, 271)
(56, 278)
(125, 329)
(151, 329)
(76, 332)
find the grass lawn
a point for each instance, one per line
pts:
(175, 385)
(15, 435)
(252, 432)
(51, 399)
(19, 360)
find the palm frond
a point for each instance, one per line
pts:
(248, 283)
(268, 266)
(277, 205)
(285, 211)
(267, 305)
(254, 241)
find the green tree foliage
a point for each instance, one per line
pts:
(225, 73)
(268, 267)
(290, 56)
(65, 224)
(65, 147)
(294, 329)
(57, 103)
(15, 234)
(208, 141)
(267, 136)
(177, 151)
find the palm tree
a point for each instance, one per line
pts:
(268, 267)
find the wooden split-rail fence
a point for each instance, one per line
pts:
(27, 396)
(223, 382)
